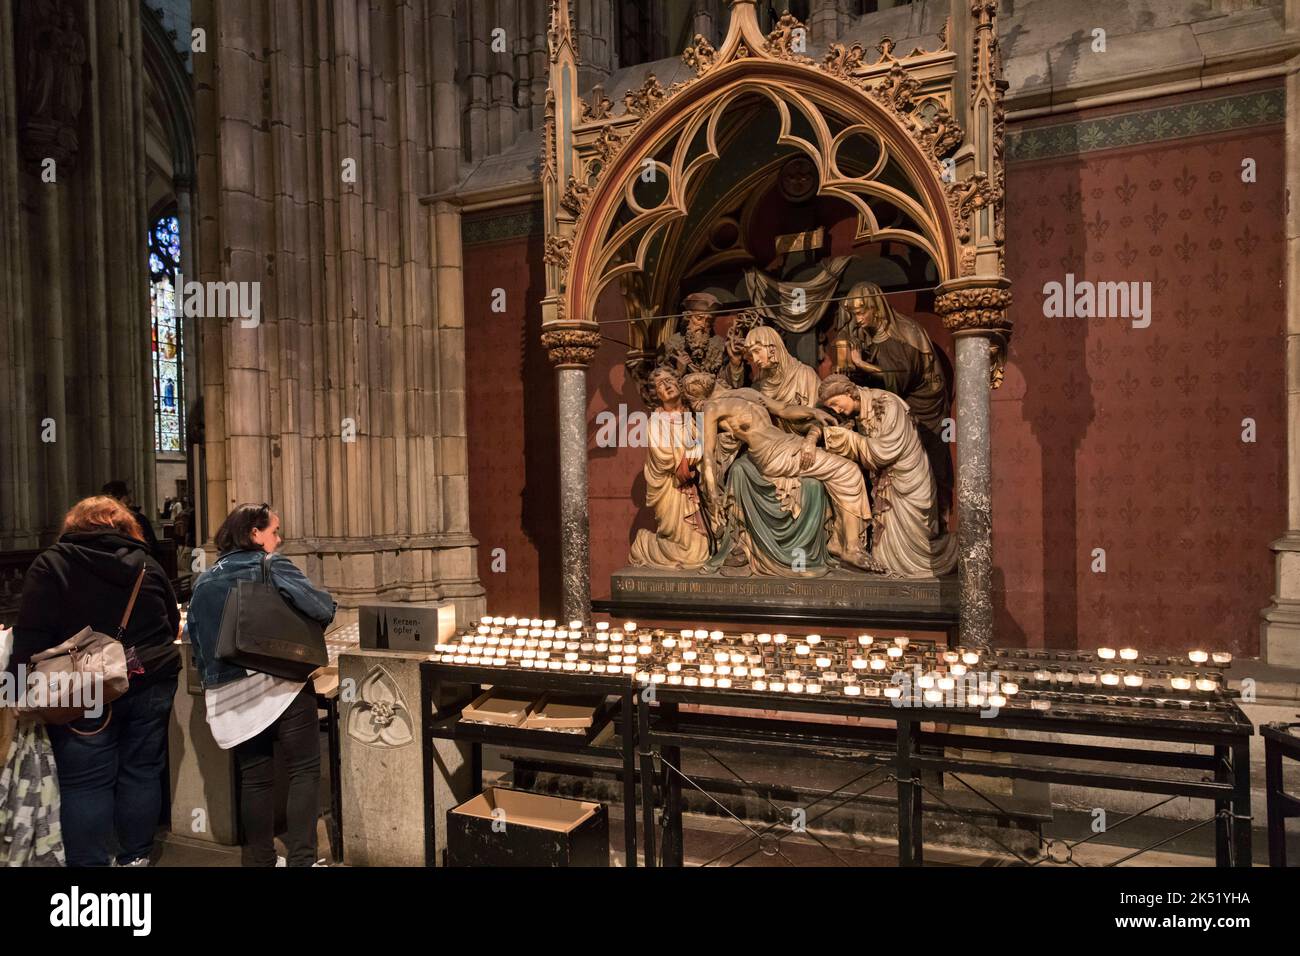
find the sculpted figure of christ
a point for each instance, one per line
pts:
(747, 416)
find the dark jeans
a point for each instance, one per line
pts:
(297, 733)
(112, 782)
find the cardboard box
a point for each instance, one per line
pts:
(515, 828)
(498, 705)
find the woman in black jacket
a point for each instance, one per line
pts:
(110, 767)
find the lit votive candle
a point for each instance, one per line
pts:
(925, 681)
(630, 627)
(878, 663)
(599, 667)
(1183, 682)
(997, 700)
(690, 655)
(643, 677)
(1106, 653)
(570, 665)
(510, 621)
(716, 635)
(738, 658)
(528, 663)
(758, 671)
(852, 690)
(958, 670)
(723, 669)
(629, 669)
(721, 657)
(970, 658)
(549, 622)
(548, 632)
(575, 625)
(601, 647)
(1110, 679)
(933, 696)
(740, 671)
(690, 680)
(1221, 657)
(571, 656)
(674, 666)
(584, 666)
(724, 682)
(602, 626)
(823, 662)
(706, 668)
(895, 652)
(700, 634)
(802, 650)
(1040, 704)
(813, 688)
(860, 663)
(674, 678)
(865, 640)
(946, 683)
(759, 685)
(779, 638)
(1128, 653)
(669, 642)
(813, 639)
(1198, 657)
(765, 638)
(795, 687)
(893, 691)
(777, 685)
(1206, 684)
(485, 628)
(1132, 680)
(901, 642)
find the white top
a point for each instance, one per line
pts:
(243, 708)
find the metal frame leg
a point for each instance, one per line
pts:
(674, 851)
(630, 737)
(647, 779)
(1241, 815)
(910, 842)
(1222, 810)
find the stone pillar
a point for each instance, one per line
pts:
(974, 309)
(344, 406)
(571, 350)
(1279, 641)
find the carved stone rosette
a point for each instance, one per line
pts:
(571, 347)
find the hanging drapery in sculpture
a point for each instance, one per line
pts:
(798, 305)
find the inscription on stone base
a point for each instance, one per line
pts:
(838, 590)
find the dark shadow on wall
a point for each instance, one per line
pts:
(541, 492)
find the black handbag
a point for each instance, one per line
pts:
(261, 631)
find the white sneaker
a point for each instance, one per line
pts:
(281, 861)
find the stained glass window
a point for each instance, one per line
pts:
(168, 350)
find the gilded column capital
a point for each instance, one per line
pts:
(975, 304)
(571, 346)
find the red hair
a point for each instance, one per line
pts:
(101, 513)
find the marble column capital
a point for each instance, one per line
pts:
(572, 346)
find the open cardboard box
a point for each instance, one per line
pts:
(515, 828)
(529, 809)
(560, 713)
(499, 705)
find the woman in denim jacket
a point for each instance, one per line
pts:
(251, 711)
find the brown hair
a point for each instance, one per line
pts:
(236, 532)
(101, 513)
